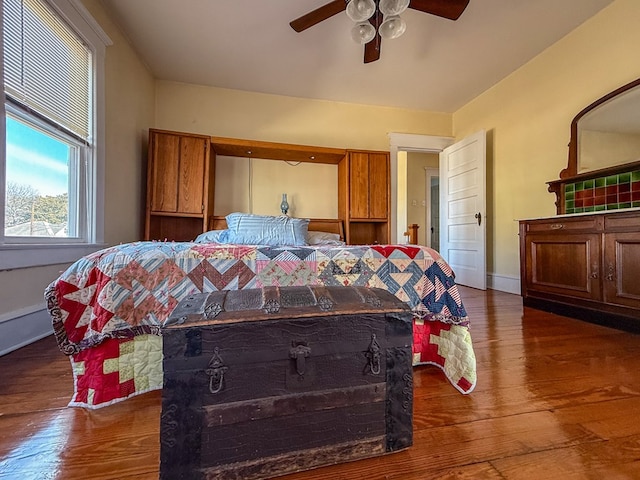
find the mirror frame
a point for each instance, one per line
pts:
(572, 163)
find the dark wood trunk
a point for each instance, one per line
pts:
(260, 383)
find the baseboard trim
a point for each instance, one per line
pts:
(503, 283)
(24, 327)
(606, 319)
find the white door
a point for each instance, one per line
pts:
(463, 209)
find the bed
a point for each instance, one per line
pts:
(107, 308)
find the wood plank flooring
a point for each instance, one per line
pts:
(556, 398)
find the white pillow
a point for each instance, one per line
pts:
(323, 238)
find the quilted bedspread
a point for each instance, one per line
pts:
(107, 308)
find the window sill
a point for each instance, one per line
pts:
(25, 256)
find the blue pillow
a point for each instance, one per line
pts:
(250, 229)
(213, 236)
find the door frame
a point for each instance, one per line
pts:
(429, 173)
(399, 144)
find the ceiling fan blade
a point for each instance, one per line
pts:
(318, 15)
(372, 49)
(451, 9)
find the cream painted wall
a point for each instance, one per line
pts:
(24, 287)
(130, 110)
(129, 113)
(312, 189)
(527, 117)
(402, 193)
(256, 116)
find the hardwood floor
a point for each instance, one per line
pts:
(557, 398)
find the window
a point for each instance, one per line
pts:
(42, 182)
(53, 54)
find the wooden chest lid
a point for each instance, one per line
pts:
(270, 303)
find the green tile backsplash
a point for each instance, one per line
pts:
(603, 193)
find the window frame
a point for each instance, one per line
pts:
(43, 251)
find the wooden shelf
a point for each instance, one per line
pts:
(368, 220)
(234, 147)
(177, 214)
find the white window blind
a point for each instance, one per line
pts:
(46, 66)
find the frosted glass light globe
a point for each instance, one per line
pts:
(363, 32)
(392, 27)
(360, 10)
(393, 7)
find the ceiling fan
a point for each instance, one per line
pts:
(451, 9)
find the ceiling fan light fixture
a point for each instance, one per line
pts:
(363, 32)
(392, 27)
(393, 7)
(360, 10)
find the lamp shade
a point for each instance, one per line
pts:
(393, 7)
(284, 205)
(392, 27)
(363, 32)
(360, 10)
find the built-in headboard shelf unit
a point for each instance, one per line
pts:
(363, 184)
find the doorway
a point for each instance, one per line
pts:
(400, 144)
(432, 213)
(420, 208)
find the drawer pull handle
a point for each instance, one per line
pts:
(299, 353)
(556, 226)
(611, 273)
(373, 355)
(216, 372)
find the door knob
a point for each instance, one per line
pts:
(478, 216)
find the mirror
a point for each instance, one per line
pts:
(606, 133)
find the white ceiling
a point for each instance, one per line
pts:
(437, 65)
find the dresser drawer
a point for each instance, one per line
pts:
(593, 223)
(622, 222)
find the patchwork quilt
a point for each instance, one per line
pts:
(107, 308)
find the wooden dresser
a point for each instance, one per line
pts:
(585, 262)
(584, 265)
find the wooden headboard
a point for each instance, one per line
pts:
(330, 225)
